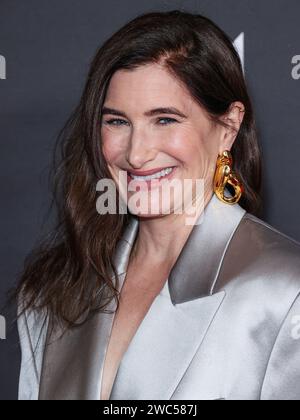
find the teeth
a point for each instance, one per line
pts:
(157, 175)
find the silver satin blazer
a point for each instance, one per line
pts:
(226, 324)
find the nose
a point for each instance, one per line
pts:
(140, 151)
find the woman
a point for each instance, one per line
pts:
(143, 304)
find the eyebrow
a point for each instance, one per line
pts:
(152, 112)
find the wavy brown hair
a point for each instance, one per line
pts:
(68, 271)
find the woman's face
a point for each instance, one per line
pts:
(138, 137)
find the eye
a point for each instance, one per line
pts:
(169, 121)
(115, 121)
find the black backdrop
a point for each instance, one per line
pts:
(45, 49)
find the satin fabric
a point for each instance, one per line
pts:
(224, 326)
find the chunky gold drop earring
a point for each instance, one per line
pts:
(223, 175)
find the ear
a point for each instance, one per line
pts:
(233, 118)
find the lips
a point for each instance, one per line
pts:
(147, 182)
(149, 172)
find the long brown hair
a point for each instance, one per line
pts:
(69, 268)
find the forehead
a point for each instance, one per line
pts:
(147, 86)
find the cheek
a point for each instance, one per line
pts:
(113, 147)
(191, 149)
(186, 146)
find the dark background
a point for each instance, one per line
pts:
(48, 46)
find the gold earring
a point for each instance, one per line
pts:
(223, 175)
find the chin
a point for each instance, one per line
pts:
(143, 216)
(147, 215)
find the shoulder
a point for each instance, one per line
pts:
(32, 329)
(273, 254)
(261, 265)
(259, 232)
(31, 324)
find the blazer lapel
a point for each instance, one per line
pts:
(168, 337)
(163, 347)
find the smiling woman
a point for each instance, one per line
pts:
(138, 305)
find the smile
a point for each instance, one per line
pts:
(156, 175)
